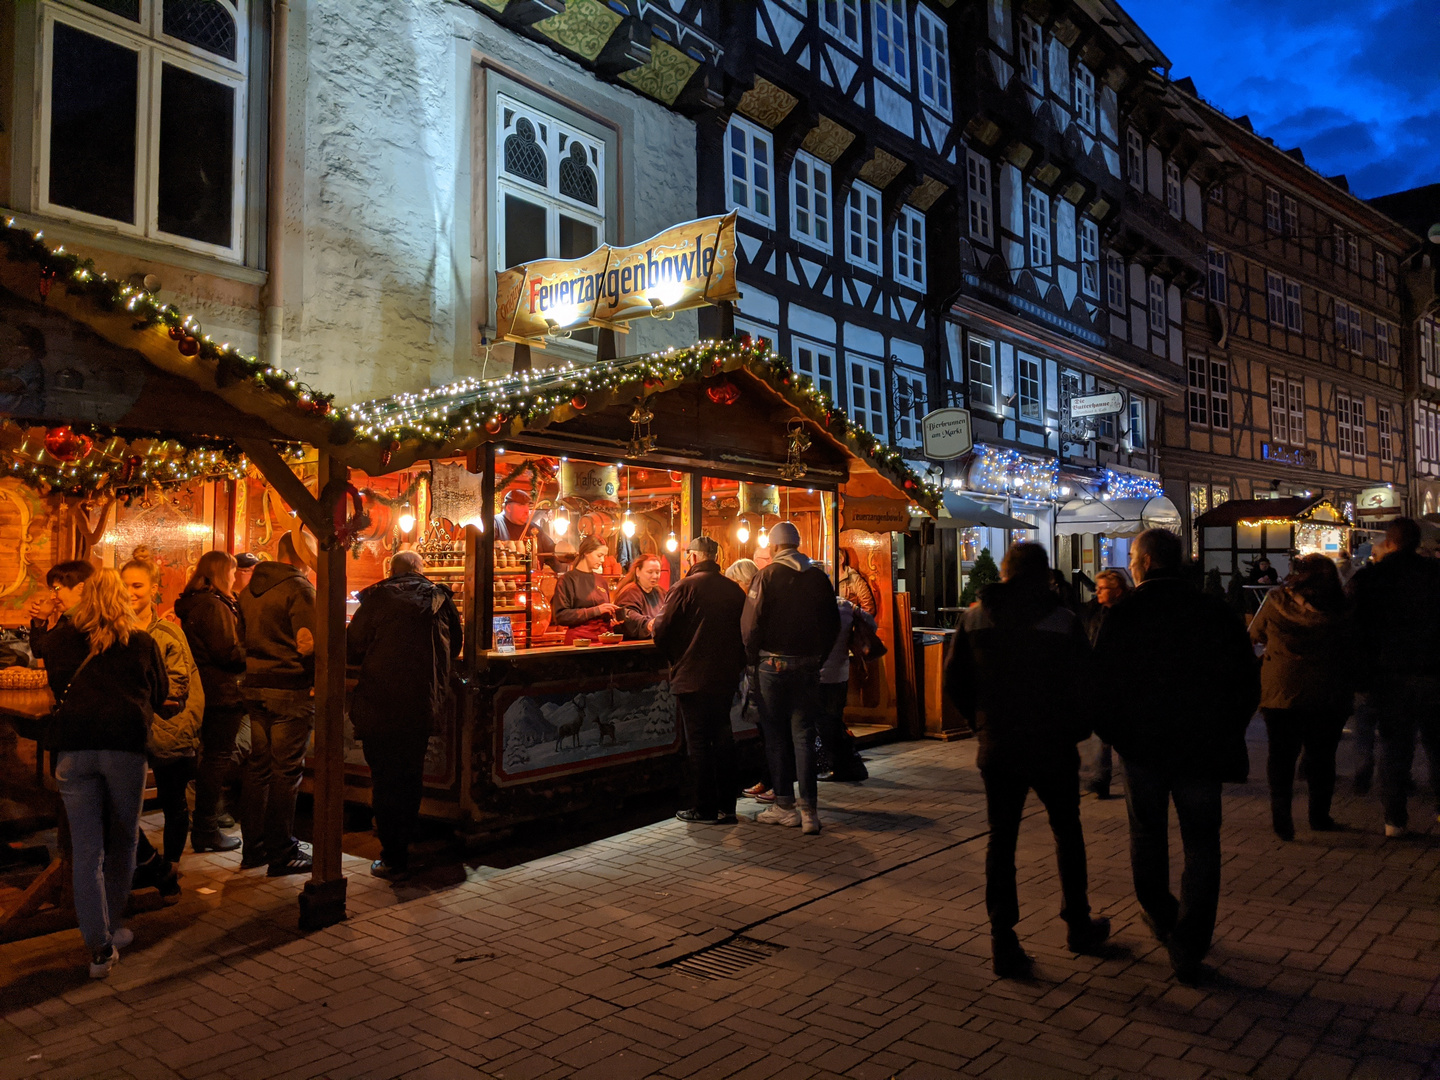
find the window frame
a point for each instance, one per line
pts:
(1089, 241)
(836, 29)
(908, 430)
(1174, 191)
(1197, 390)
(871, 366)
(1382, 271)
(939, 53)
(753, 133)
(1159, 319)
(1352, 251)
(1272, 209)
(1032, 54)
(1218, 272)
(1219, 395)
(816, 193)
(1294, 306)
(1337, 241)
(990, 384)
(979, 198)
(1350, 438)
(1038, 234)
(1136, 413)
(909, 224)
(1385, 434)
(1022, 360)
(154, 49)
(1287, 411)
(1289, 216)
(1116, 287)
(1135, 158)
(894, 14)
(863, 192)
(1382, 343)
(1085, 102)
(798, 345)
(1274, 299)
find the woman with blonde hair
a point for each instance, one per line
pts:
(98, 734)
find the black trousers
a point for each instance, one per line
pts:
(1319, 733)
(219, 730)
(710, 753)
(1007, 785)
(397, 783)
(172, 783)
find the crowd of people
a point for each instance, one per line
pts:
(231, 675)
(1184, 683)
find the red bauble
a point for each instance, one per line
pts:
(64, 445)
(651, 383)
(188, 345)
(723, 393)
(322, 408)
(579, 401)
(745, 340)
(176, 333)
(495, 425)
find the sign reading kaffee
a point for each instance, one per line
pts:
(686, 266)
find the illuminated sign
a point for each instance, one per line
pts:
(946, 434)
(1096, 405)
(686, 266)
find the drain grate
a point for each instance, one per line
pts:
(726, 960)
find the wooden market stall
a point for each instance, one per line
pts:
(1236, 535)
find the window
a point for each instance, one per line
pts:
(1287, 411)
(1174, 200)
(1342, 325)
(1039, 204)
(1274, 298)
(1085, 97)
(1159, 322)
(841, 18)
(978, 183)
(932, 43)
(1272, 209)
(1338, 243)
(144, 121)
(1219, 395)
(810, 201)
(892, 49)
(867, 395)
(1356, 336)
(1350, 425)
(1032, 52)
(1382, 275)
(1429, 334)
(751, 157)
(1290, 217)
(1089, 258)
(1293, 319)
(1382, 342)
(818, 362)
(1352, 251)
(1219, 281)
(862, 227)
(910, 248)
(1197, 395)
(1029, 369)
(980, 371)
(1115, 281)
(1385, 430)
(1135, 159)
(550, 182)
(1137, 424)
(909, 405)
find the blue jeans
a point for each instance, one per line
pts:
(1188, 923)
(790, 696)
(102, 791)
(280, 725)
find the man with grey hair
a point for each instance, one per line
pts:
(1185, 686)
(405, 636)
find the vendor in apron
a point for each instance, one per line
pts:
(582, 602)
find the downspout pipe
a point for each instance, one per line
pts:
(275, 190)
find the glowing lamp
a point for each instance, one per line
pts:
(743, 533)
(627, 526)
(407, 519)
(561, 525)
(763, 540)
(672, 543)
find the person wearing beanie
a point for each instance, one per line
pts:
(791, 622)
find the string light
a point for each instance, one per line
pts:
(1000, 470)
(1120, 485)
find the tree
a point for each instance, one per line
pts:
(983, 573)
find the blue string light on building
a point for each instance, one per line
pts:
(1002, 471)
(1120, 485)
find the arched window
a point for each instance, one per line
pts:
(524, 157)
(577, 176)
(206, 24)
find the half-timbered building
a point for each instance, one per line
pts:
(1293, 342)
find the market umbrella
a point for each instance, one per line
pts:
(968, 514)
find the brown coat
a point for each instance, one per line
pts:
(1309, 660)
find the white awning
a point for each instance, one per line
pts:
(1116, 517)
(967, 513)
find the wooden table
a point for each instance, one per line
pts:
(25, 711)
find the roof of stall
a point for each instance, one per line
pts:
(728, 405)
(1292, 508)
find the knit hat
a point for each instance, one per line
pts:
(785, 535)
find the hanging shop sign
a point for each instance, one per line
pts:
(1378, 502)
(1096, 405)
(875, 515)
(593, 483)
(759, 498)
(685, 266)
(946, 434)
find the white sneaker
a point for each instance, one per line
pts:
(123, 938)
(778, 815)
(809, 820)
(1392, 831)
(101, 963)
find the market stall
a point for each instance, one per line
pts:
(1236, 535)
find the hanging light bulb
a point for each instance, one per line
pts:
(672, 543)
(407, 519)
(763, 540)
(561, 525)
(627, 526)
(743, 533)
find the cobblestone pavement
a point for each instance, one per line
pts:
(1327, 959)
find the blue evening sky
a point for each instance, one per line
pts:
(1354, 83)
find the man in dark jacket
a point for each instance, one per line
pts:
(404, 637)
(1016, 672)
(1098, 759)
(790, 623)
(277, 629)
(699, 632)
(1397, 622)
(1184, 686)
(50, 639)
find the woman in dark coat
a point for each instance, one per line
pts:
(640, 597)
(1306, 686)
(582, 602)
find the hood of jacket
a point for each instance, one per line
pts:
(191, 600)
(413, 590)
(1299, 611)
(794, 559)
(269, 574)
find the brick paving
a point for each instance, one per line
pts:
(1327, 959)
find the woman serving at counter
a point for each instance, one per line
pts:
(582, 603)
(640, 597)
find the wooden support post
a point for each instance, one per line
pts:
(323, 901)
(485, 550)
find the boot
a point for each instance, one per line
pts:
(1007, 958)
(1281, 819)
(1087, 935)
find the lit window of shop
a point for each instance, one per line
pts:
(862, 227)
(818, 362)
(810, 201)
(143, 120)
(867, 394)
(1089, 258)
(933, 44)
(750, 153)
(1029, 380)
(910, 248)
(1385, 434)
(980, 362)
(981, 208)
(1199, 504)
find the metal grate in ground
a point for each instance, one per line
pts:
(727, 960)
